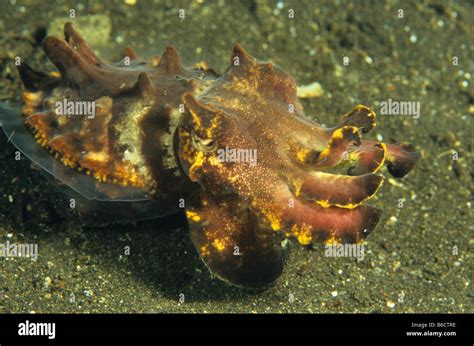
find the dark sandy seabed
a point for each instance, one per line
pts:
(410, 265)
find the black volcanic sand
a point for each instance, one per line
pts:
(419, 259)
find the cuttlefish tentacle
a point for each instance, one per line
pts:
(310, 222)
(341, 142)
(328, 189)
(78, 43)
(370, 155)
(334, 140)
(342, 146)
(361, 117)
(324, 150)
(343, 149)
(401, 159)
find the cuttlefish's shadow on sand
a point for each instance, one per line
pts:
(162, 255)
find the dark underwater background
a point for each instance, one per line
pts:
(419, 259)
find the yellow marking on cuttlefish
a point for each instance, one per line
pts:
(384, 148)
(195, 116)
(33, 96)
(68, 163)
(327, 150)
(337, 134)
(302, 233)
(99, 156)
(297, 185)
(214, 124)
(332, 240)
(302, 154)
(219, 245)
(201, 64)
(198, 161)
(205, 250)
(305, 239)
(326, 204)
(274, 220)
(214, 161)
(193, 216)
(371, 113)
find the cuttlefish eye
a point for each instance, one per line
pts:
(203, 144)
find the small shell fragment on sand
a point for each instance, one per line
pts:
(310, 91)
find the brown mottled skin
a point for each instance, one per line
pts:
(160, 127)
